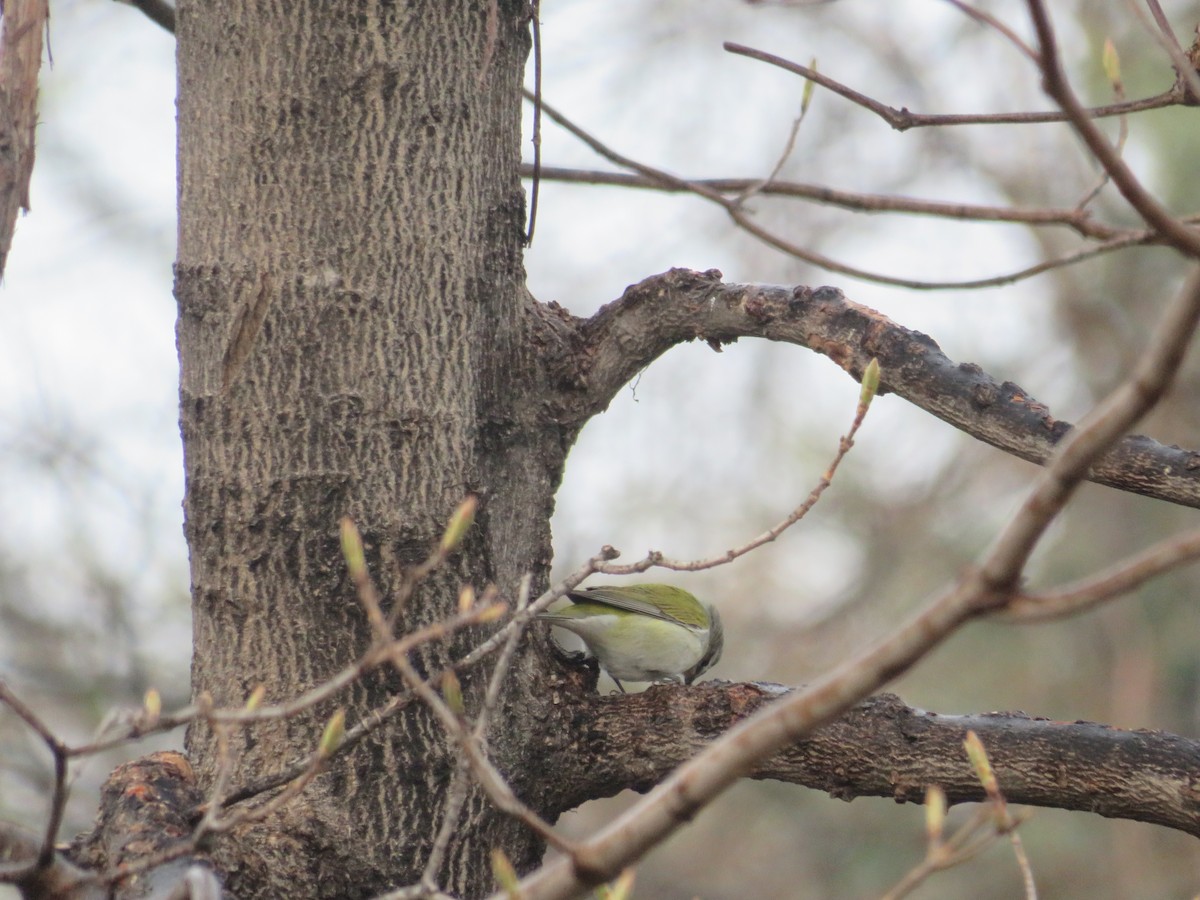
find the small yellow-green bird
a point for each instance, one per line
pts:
(644, 632)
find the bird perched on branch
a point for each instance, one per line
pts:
(644, 632)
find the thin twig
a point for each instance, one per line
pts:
(20, 850)
(968, 841)
(296, 768)
(522, 617)
(536, 27)
(216, 794)
(788, 146)
(599, 563)
(1071, 599)
(485, 772)
(1160, 29)
(1054, 81)
(316, 764)
(500, 672)
(1079, 221)
(746, 223)
(58, 750)
(985, 18)
(1122, 136)
(456, 794)
(452, 804)
(904, 119)
(657, 560)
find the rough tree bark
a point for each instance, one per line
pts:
(351, 301)
(20, 61)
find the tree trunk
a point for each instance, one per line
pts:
(352, 342)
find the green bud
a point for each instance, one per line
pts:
(466, 599)
(506, 874)
(870, 383)
(935, 813)
(334, 734)
(980, 763)
(452, 691)
(622, 888)
(352, 549)
(460, 523)
(254, 701)
(492, 613)
(1111, 62)
(809, 89)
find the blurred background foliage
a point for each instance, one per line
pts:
(705, 449)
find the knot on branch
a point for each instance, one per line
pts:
(147, 806)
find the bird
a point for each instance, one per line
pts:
(644, 632)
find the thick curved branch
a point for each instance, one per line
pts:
(628, 334)
(881, 748)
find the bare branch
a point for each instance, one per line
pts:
(456, 794)
(1099, 430)
(711, 190)
(903, 119)
(213, 822)
(1054, 81)
(535, 188)
(400, 701)
(972, 838)
(1111, 583)
(58, 751)
(1141, 775)
(160, 12)
(297, 767)
(1076, 219)
(490, 779)
(628, 334)
(656, 559)
(1160, 30)
(996, 25)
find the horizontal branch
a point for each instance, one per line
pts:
(625, 336)
(904, 119)
(733, 206)
(881, 748)
(1077, 219)
(1122, 578)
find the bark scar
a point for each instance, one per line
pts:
(249, 320)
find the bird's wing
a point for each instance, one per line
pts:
(621, 598)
